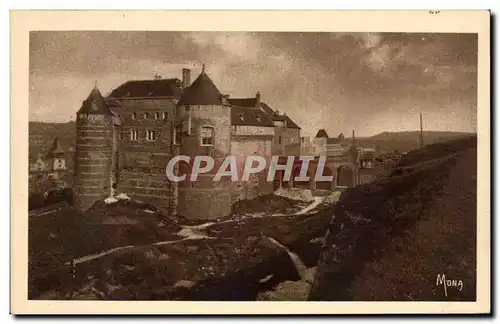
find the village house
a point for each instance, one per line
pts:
(49, 171)
(125, 141)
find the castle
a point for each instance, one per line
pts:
(124, 142)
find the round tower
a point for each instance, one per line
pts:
(206, 131)
(94, 151)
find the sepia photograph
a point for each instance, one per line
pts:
(254, 166)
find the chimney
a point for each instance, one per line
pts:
(157, 76)
(257, 96)
(186, 78)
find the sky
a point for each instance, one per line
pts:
(369, 82)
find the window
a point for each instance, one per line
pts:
(134, 116)
(177, 134)
(157, 115)
(279, 139)
(188, 108)
(207, 136)
(258, 118)
(164, 115)
(146, 115)
(134, 135)
(150, 135)
(279, 123)
(241, 117)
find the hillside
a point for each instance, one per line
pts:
(389, 240)
(42, 135)
(406, 141)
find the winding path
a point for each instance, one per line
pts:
(191, 233)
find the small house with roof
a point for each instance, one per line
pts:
(286, 139)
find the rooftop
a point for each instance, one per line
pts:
(95, 104)
(242, 116)
(148, 88)
(321, 133)
(201, 92)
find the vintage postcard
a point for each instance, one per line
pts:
(171, 162)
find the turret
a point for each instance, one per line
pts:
(206, 129)
(56, 156)
(94, 150)
(319, 142)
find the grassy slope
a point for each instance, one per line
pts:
(406, 141)
(391, 239)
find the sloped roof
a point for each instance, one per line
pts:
(243, 102)
(246, 116)
(253, 102)
(268, 110)
(201, 92)
(148, 88)
(112, 102)
(56, 147)
(321, 133)
(95, 104)
(289, 122)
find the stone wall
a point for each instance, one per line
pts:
(319, 144)
(143, 161)
(284, 137)
(93, 159)
(205, 198)
(244, 146)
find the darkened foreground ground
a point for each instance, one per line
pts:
(129, 251)
(388, 240)
(391, 239)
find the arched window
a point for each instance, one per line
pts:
(207, 136)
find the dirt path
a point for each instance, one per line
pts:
(190, 233)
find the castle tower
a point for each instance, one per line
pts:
(94, 151)
(206, 132)
(319, 142)
(56, 156)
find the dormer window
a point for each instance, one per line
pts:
(279, 123)
(258, 118)
(241, 117)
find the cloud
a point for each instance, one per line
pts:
(336, 81)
